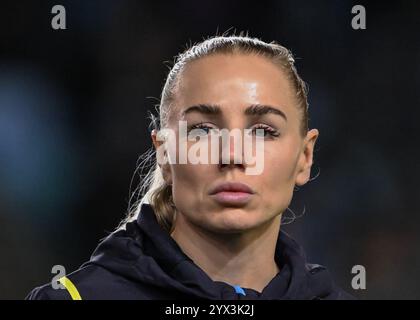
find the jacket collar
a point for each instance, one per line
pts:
(147, 253)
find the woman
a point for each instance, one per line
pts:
(212, 230)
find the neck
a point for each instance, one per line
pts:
(244, 258)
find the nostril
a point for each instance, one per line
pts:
(231, 165)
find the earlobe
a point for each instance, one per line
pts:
(303, 176)
(161, 158)
(155, 142)
(159, 148)
(306, 158)
(166, 174)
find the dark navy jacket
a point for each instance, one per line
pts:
(144, 262)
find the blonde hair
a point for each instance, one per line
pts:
(153, 188)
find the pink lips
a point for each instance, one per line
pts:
(232, 193)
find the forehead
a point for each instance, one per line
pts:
(233, 81)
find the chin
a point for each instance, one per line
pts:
(232, 222)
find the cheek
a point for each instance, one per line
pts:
(185, 174)
(278, 177)
(189, 180)
(280, 163)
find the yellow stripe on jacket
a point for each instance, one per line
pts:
(71, 288)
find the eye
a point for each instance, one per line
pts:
(267, 130)
(202, 126)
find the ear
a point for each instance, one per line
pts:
(306, 158)
(161, 156)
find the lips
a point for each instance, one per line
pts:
(232, 187)
(232, 193)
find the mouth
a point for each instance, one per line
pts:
(232, 193)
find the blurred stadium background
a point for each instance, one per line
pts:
(73, 108)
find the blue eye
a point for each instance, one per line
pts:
(267, 130)
(200, 126)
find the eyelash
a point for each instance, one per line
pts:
(271, 131)
(274, 133)
(200, 125)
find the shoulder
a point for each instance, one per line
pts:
(322, 275)
(89, 282)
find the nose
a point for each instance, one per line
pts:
(232, 151)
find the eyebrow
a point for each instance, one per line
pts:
(252, 110)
